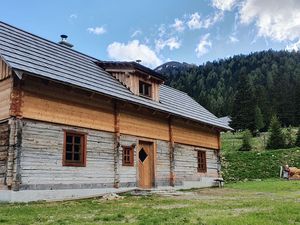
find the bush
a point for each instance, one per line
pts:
(298, 138)
(277, 137)
(246, 146)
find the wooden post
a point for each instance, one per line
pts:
(171, 152)
(117, 145)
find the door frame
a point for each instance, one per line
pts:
(154, 149)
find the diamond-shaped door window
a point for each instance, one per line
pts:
(142, 155)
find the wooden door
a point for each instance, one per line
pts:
(146, 164)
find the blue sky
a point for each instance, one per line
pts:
(193, 31)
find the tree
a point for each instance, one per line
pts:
(246, 146)
(298, 138)
(276, 139)
(244, 106)
(258, 119)
(289, 138)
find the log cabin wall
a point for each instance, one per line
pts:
(186, 164)
(4, 145)
(48, 108)
(41, 160)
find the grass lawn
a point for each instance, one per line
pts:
(257, 202)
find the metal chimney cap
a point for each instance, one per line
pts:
(63, 36)
(64, 41)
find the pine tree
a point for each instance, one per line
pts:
(298, 138)
(276, 139)
(289, 138)
(246, 146)
(258, 119)
(244, 106)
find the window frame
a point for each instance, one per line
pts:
(130, 155)
(82, 162)
(201, 161)
(149, 85)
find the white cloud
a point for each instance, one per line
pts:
(194, 21)
(73, 16)
(96, 30)
(178, 25)
(223, 5)
(203, 45)
(132, 51)
(211, 20)
(278, 20)
(136, 33)
(294, 46)
(161, 30)
(172, 43)
(233, 39)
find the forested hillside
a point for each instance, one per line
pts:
(267, 81)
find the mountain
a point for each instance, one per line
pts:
(173, 65)
(274, 78)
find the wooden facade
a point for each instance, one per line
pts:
(37, 112)
(130, 79)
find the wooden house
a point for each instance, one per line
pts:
(69, 121)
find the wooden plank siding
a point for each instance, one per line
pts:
(196, 135)
(131, 81)
(5, 70)
(56, 103)
(5, 93)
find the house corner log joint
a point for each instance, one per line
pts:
(116, 144)
(14, 154)
(171, 152)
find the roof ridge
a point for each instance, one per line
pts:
(39, 37)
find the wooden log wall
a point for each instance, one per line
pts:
(42, 151)
(13, 173)
(5, 101)
(5, 70)
(186, 163)
(4, 145)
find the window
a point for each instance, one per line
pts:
(202, 162)
(74, 149)
(128, 156)
(145, 89)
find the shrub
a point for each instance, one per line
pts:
(246, 146)
(298, 138)
(277, 137)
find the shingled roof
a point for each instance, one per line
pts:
(39, 57)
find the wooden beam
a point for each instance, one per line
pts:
(16, 99)
(171, 153)
(117, 145)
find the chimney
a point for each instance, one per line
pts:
(64, 41)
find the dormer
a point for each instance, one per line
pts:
(139, 79)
